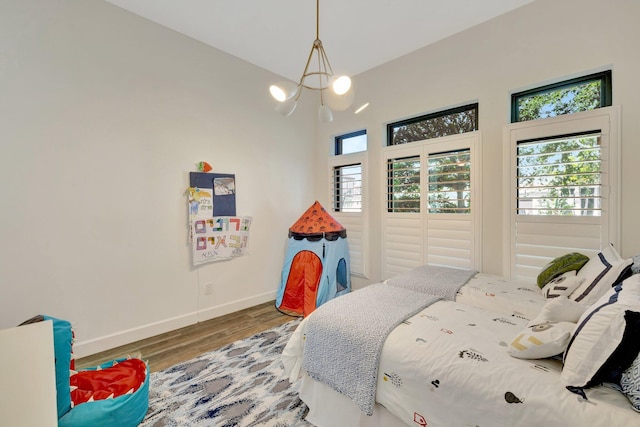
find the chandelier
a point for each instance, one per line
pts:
(335, 91)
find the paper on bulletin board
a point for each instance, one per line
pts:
(220, 238)
(200, 206)
(223, 188)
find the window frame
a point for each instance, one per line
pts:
(339, 140)
(606, 96)
(389, 194)
(431, 116)
(336, 199)
(437, 183)
(607, 121)
(357, 223)
(598, 196)
(418, 237)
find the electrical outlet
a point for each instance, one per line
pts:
(208, 288)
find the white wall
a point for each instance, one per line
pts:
(102, 116)
(542, 42)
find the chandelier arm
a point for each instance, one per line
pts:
(306, 67)
(324, 74)
(321, 69)
(325, 60)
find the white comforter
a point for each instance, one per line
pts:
(508, 296)
(494, 293)
(448, 366)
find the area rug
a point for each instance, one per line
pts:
(240, 385)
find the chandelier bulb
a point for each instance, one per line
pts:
(337, 91)
(283, 91)
(325, 114)
(341, 85)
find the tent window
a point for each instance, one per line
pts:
(341, 275)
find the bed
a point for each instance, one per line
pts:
(498, 294)
(483, 352)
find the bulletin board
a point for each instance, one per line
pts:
(222, 189)
(216, 233)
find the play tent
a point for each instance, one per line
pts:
(316, 266)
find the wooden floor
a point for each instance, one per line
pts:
(171, 348)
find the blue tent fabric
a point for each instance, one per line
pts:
(335, 278)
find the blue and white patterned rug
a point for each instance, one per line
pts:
(240, 385)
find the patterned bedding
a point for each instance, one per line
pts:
(354, 373)
(448, 366)
(494, 293)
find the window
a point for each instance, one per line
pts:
(443, 123)
(450, 182)
(566, 97)
(564, 184)
(403, 184)
(351, 143)
(348, 191)
(347, 188)
(559, 176)
(434, 204)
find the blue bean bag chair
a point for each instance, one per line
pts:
(115, 393)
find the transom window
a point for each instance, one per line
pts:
(452, 121)
(566, 97)
(351, 142)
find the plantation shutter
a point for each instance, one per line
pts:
(432, 213)
(564, 183)
(346, 189)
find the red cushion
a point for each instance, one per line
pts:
(124, 377)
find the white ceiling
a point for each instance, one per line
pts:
(357, 34)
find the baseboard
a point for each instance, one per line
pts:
(221, 310)
(97, 345)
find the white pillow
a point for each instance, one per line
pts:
(562, 285)
(560, 309)
(605, 341)
(541, 340)
(598, 275)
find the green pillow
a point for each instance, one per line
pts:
(560, 265)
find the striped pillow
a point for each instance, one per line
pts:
(598, 275)
(605, 342)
